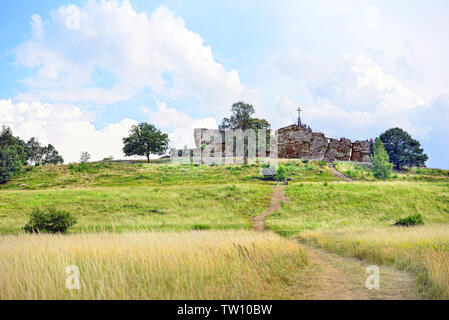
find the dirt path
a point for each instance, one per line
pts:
(338, 174)
(277, 197)
(332, 277)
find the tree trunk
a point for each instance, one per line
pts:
(148, 158)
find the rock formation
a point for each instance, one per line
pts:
(299, 142)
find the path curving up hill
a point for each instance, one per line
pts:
(338, 174)
(333, 277)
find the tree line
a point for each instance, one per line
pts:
(15, 153)
(395, 147)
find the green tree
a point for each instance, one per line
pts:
(382, 168)
(241, 118)
(402, 149)
(12, 155)
(34, 151)
(51, 156)
(145, 139)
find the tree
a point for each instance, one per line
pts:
(241, 119)
(84, 157)
(12, 155)
(145, 139)
(382, 168)
(34, 151)
(51, 156)
(402, 149)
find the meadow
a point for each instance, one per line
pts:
(357, 220)
(184, 230)
(168, 265)
(423, 251)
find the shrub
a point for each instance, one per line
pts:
(198, 227)
(323, 164)
(281, 173)
(49, 221)
(382, 168)
(410, 220)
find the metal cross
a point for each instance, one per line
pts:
(299, 117)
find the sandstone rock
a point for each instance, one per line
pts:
(338, 150)
(361, 151)
(296, 142)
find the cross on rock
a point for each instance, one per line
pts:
(299, 117)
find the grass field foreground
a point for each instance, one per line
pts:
(422, 250)
(331, 206)
(165, 208)
(182, 265)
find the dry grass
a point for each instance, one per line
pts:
(183, 265)
(422, 250)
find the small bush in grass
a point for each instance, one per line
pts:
(412, 220)
(198, 227)
(49, 221)
(323, 164)
(281, 173)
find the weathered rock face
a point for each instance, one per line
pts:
(301, 142)
(297, 142)
(361, 151)
(338, 150)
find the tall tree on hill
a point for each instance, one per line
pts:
(402, 149)
(51, 156)
(382, 168)
(12, 155)
(241, 118)
(84, 157)
(34, 151)
(145, 139)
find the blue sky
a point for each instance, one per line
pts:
(78, 74)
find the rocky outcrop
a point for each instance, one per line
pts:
(339, 150)
(301, 142)
(297, 142)
(361, 151)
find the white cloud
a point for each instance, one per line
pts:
(372, 17)
(169, 117)
(67, 127)
(182, 125)
(356, 99)
(156, 52)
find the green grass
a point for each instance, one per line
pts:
(171, 208)
(107, 174)
(352, 219)
(315, 206)
(364, 172)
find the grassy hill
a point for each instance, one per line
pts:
(133, 199)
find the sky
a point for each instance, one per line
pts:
(79, 74)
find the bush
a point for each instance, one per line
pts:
(49, 221)
(199, 227)
(410, 220)
(323, 164)
(281, 173)
(382, 168)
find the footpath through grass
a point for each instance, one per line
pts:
(356, 219)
